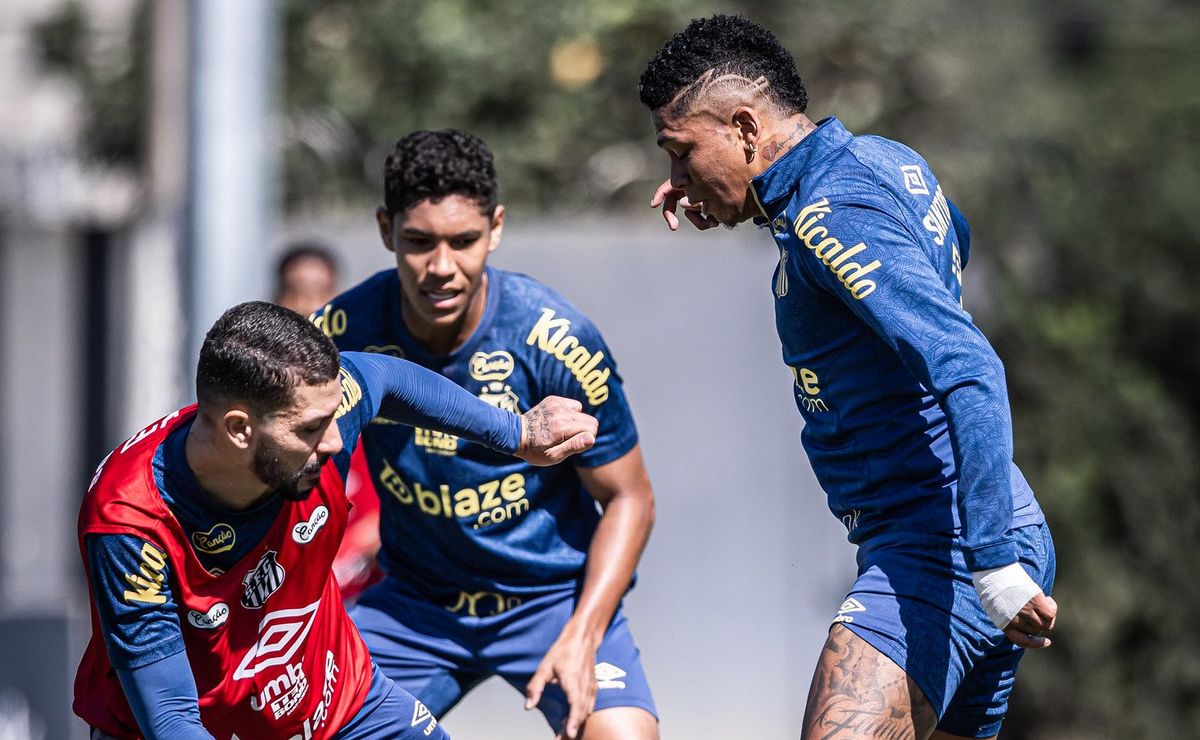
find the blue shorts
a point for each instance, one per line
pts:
(914, 602)
(391, 712)
(439, 652)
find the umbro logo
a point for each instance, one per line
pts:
(914, 179)
(280, 635)
(849, 605)
(607, 676)
(421, 714)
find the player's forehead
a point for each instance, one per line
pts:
(684, 126)
(671, 127)
(451, 214)
(310, 402)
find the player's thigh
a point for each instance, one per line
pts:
(418, 646)
(858, 692)
(620, 723)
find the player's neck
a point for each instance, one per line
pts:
(782, 136)
(442, 339)
(232, 486)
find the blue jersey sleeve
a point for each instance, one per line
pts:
(906, 301)
(408, 393)
(584, 369)
(131, 586)
(164, 699)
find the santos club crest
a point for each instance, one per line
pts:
(264, 580)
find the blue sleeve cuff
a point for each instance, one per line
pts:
(995, 555)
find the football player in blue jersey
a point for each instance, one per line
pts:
(495, 568)
(906, 418)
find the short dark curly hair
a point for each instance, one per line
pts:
(430, 165)
(725, 44)
(258, 353)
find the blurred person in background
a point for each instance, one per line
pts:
(307, 280)
(906, 417)
(307, 277)
(495, 568)
(208, 539)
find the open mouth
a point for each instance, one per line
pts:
(441, 298)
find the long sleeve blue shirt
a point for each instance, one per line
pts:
(906, 413)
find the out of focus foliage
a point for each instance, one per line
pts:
(550, 86)
(1069, 133)
(111, 73)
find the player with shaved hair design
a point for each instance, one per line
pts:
(906, 418)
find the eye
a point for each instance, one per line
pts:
(462, 242)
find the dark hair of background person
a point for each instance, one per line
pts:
(302, 251)
(430, 165)
(725, 44)
(257, 353)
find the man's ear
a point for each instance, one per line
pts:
(384, 221)
(497, 228)
(236, 426)
(749, 128)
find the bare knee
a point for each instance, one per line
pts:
(620, 723)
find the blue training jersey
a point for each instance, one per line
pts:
(456, 516)
(906, 418)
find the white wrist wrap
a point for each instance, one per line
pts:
(1003, 591)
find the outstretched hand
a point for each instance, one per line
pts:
(554, 430)
(1028, 629)
(671, 198)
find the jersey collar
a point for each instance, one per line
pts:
(775, 186)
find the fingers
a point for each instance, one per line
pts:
(661, 193)
(570, 403)
(579, 712)
(1029, 627)
(576, 444)
(668, 197)
(536, 685)
(1033, 642)
(580, 690)
(1053, 612)
(699, 220)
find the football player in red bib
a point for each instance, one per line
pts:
(208, 539)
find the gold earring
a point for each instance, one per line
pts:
(753, 148)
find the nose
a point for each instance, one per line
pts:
(441, 261)
(679, 174)
(331, 441)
